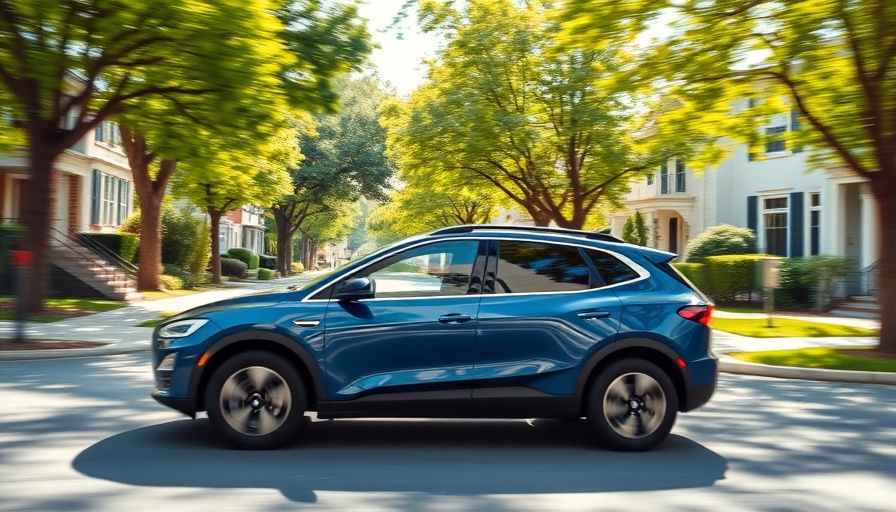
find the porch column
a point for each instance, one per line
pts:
(869, 228)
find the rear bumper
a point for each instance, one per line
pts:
(184, 405)
(702, 382)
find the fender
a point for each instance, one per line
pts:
(252, 335)
(615, 347)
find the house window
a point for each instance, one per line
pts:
(679, 176)
(650, 179)
(109, 133)
(111, 200)
(814, 223)
(664, 179)
(774, 216)
(775, 145)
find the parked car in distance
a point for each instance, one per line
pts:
(481, 321)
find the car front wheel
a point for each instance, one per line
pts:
(256, 401)
(632, 405)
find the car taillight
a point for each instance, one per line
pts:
(699, 314)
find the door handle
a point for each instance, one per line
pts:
(454, 318)
(590, 315)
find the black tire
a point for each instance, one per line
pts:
(256, 401)
(632, 405)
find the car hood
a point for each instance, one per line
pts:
(251, 301)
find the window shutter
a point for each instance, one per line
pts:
(752, 212)
(796, 225)
(96, 193)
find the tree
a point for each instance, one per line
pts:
(832, 61)
(518, 110)
(635, 230)
(344, 161)
(84, 61)
(253, 174)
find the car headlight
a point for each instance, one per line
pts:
(182, 328)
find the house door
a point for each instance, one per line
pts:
(673, 235)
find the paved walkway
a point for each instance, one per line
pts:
(119, 329)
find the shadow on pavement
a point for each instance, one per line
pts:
(462, 458)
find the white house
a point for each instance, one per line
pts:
(793, 211)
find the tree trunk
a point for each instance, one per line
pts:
(37, 215)
(149, 264)
(215, 229)
(150, 193)
(290, 254)
(886, 295)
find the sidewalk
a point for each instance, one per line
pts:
(119, 329)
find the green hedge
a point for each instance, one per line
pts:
(721, 240)
(696, 274)
(297, 266)
(265, 274)
(122, 244)
(732, 275)
(232, 267)
(268, 262)
(171, 282)
(245, 255)
(188, 280)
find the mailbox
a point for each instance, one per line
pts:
(771, 272)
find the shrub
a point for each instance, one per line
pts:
(170, 282)
(297, 266)
(180, 235)
(808, 283)
(122, 244)
(188, 279)
(268, 262)
(635, 230)
(232, 267)
(721, 240)
(245, 255)
(202, 251)
(732, 275)
(696, 274)
(265, 274)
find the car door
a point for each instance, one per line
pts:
(408, 350)
(542, 312)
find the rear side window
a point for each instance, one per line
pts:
(529, 267)
(610, 268)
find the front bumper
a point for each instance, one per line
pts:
(184, 405)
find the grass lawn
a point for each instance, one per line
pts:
(786, 328)
(162, 316)
(60, 309)
(830, 358)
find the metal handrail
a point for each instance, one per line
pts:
(871, 278)
(105, 252)
(90, 256)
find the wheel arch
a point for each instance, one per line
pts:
(636, 348)
(275, 343)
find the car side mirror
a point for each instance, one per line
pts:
(355, 289)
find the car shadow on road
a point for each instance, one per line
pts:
(447, 457)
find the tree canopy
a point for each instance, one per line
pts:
(832, 61)
(549, 124)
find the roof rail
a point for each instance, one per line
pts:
(466, 228)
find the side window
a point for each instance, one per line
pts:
(438, 269)
(610, 268)
(527, 267)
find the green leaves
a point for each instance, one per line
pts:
(548, 124)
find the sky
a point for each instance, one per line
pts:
(399, 61)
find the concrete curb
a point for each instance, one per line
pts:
(728, 364)
(66, 353)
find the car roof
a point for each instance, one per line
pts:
(469, 228)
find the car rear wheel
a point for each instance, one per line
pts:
(632, 405)
(256, 401)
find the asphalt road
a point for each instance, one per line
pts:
(83, 434)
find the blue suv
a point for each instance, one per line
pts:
(479, 321)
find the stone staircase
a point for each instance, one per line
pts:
(109, 279)
(858, 306)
